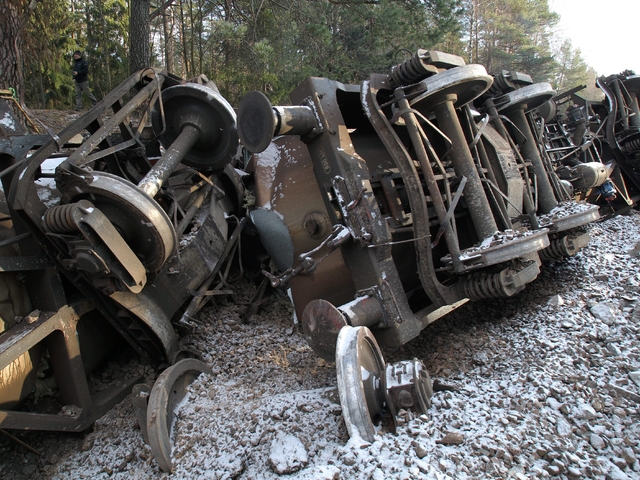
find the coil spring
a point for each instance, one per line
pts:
(632, 146)
(500, 85)
(59, 219)
(408, 72)
(556, 250)
(484, 286)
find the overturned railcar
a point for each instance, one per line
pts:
(387, 204)
(424, 202)
(112, 229)
(593, 145)
(382, 205)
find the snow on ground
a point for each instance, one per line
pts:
(547, 385)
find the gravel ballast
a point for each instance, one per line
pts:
(546, 384)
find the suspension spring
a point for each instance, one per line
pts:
(632, 146)
(59, 219)
(499, 86)
(484, 286)
(410, 71)
(557, 250)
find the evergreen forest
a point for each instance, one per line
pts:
(271, 45)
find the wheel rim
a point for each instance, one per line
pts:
(360, 367)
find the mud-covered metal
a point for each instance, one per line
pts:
(379, 206)
(437, 179)
(512, 105)
(593, 144)
(426, 191)
(167, 392)
(65, 333)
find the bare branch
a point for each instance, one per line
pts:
(160, 9)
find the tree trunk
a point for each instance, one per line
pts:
(43, 99)
(185, 45)
(105, 48)
(167, 17)
(13, 17)
(139, 31)
(192, 63)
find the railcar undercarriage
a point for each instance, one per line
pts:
(382, 206)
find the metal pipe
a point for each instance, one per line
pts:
(363, 311)
(296, 120)
(172, 157)
(559, 191)
(495, 118)
(479, 208)
(623, 117)
(193, 208)
(527, 199)
(546, 198)
(635, 108)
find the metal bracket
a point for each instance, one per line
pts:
(108, 251)
(337, 237)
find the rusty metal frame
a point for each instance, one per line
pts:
(58, 331)
(28, 209)
(438, 293)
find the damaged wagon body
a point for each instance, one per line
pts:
(430, 205)
(109, 229)
(593, 145)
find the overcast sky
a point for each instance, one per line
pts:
(605, 31)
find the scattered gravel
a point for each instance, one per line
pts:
(547, 385)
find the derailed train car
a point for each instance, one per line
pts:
(120, 239)
(593, 145)
(386, 205)
(383, 206)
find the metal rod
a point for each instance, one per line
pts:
(486, 164)
(193, 208)
(633, 105)
(432, 184)
(495, 118)
(12, 168)
(172, 157)
(560, 192)
(624, 118)
(78, 156)
(17, 440)
(16, 239)
(546, 198)
(197, 302)
(479, 208)
(527, 199)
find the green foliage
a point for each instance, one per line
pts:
(271, 45)
(57, 28)
(47, 40)
(572, 69)
(511, 35)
